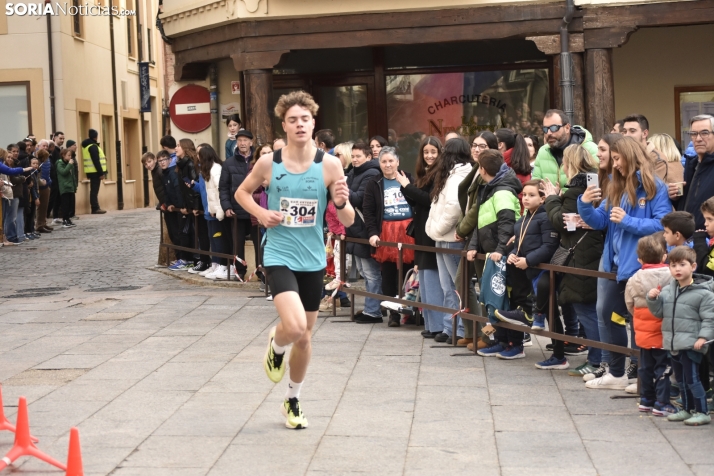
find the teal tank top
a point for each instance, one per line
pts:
(297, 242)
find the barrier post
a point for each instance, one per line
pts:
(234, 227)
(551, 301)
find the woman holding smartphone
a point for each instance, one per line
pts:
(632, 207)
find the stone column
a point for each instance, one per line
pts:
(257, 94)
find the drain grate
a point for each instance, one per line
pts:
(53, 377)
(113, 289)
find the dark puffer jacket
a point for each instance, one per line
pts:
(187, 174)
(576, 289)
(419, 200)
(699, 177)
(540, 240)
(235, 170)
(357, 181)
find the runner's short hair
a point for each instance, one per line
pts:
(295, 98)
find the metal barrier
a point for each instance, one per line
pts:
(230, 257)
(465, 283)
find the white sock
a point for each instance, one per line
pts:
(293, 390)
(277, 348)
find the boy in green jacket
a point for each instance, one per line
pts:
(686, 308)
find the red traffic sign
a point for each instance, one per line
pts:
(190, 108)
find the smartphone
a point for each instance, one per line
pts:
(592, 179)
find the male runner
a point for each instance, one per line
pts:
(298, 178)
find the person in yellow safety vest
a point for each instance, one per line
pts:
(95, 167)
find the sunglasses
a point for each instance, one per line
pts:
(552, 129)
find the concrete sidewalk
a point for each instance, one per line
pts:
(167, 379)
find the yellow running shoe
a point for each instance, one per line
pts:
(274, 363)
(295, 419)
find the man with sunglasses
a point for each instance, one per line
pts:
(558, 134)
(698, 171)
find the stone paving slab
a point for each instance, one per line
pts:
(167, 379)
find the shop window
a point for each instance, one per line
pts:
(691, 101)
(14, 112)
(150, 45)
(419, 105)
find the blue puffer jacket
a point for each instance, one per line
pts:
(641, 220)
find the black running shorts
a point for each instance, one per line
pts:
(308, 284)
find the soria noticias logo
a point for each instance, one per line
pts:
(32, 9)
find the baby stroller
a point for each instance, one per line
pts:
(410, 314)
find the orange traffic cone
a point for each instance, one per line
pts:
(74, 458)
(5, 424)
(23, 441)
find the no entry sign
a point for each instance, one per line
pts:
(190, 108)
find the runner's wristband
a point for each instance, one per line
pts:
(343, 205)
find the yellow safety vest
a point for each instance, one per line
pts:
(87, 159)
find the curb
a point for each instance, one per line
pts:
(200, 281)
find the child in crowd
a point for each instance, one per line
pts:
(686, 306)
(33, 185)
(148, 160)
(654, 363)
(496, 208)
(678, 229)
(704, 240)
(175, 220)
(535, 242)
(67, 187)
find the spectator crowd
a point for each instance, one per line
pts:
(38, 182)
(630, 203)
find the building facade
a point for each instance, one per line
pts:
(406, 68)
(72, 90)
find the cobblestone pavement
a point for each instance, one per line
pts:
(166, 379)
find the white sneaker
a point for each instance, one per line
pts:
(632, 388)
(609, 382)
(57, 221)
(223, 275)
(209, 270)
(269, 298)
(219, 271)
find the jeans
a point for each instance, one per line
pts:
(9, 213)
(448, 265)
(431, 293)
(686, 371)
(614, 313)
(95, 182)
(471, 299)
(603, 328)
(587, 315)
(20, 223)
(215, 236)
(372, 273)
(654, 371)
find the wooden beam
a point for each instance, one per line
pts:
(380, 93)
(600, 92)
(550, 44)
(650, 14)
(607, 37)
(263, 60)
(403, 36)
(257, 94)
(376, 21)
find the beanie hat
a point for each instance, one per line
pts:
(70, 143)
